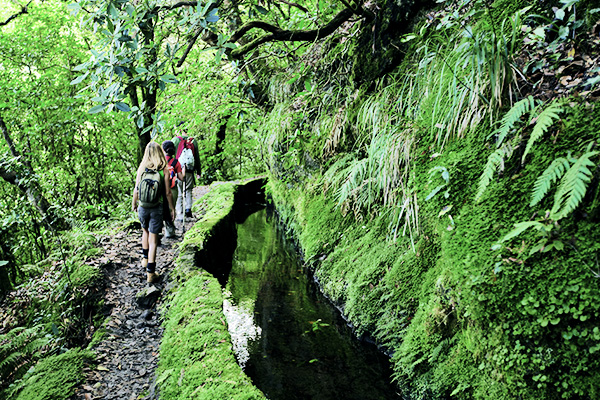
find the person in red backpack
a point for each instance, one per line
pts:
(192, 163)
(177, 173)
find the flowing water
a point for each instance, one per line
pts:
(287, 337)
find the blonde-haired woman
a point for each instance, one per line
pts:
(151, 218)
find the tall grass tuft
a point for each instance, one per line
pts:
(460, 74)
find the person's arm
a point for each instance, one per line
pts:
(167, 178)
(134, 203)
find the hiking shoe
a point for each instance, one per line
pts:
(153, 277)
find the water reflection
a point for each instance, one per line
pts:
(240, 319)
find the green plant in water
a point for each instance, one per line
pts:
(316, 326)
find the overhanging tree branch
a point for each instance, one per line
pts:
(278, 35)
(237, 35)
(298, 6)
(182, 4)
(23, 11)
(189, 48)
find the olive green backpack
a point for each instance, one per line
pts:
(149, 188)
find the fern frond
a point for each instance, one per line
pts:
(10, 361)
(573, 186)
(494, 163)
(36, 345)
(18, 348)
(511, 117)
(552, 174)
(544, 121)
(520, 228)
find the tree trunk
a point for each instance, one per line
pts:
(148, 92)
(219, 143)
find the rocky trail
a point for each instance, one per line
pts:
(128, 354)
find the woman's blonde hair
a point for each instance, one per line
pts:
(154, 158)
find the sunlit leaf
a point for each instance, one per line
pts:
(212, 16)
(79, 79)
(261, 10)
(122, 107)
(97, 109)
(168, 78)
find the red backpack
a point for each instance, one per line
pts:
(185, 153)
(172, 164)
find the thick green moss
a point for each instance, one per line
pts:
(54, 377)
(196, 357)
(86, 275)
(212, 208)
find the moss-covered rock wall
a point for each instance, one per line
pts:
(460, 315)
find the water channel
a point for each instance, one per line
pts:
(287, 337)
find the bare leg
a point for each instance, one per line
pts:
(152, 245)
(145, 234)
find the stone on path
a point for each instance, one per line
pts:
(146, 297)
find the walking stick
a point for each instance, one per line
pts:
(183, 201)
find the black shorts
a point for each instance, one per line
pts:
(151, 218)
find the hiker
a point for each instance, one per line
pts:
(187, 154)
(177, 173)
(152, 186)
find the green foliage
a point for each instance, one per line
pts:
(494, 163)
(512, 116)
(544, 121)
(573, 186)
(445, 175)
(19, 349)
(497, 159)
(545, 181)
(53, 378)
(576, 176)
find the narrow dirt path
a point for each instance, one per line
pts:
(128, 355)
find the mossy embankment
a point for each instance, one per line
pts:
(461, 316)
(196, 357)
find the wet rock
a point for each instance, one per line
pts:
(147, 314)
(146, 297)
